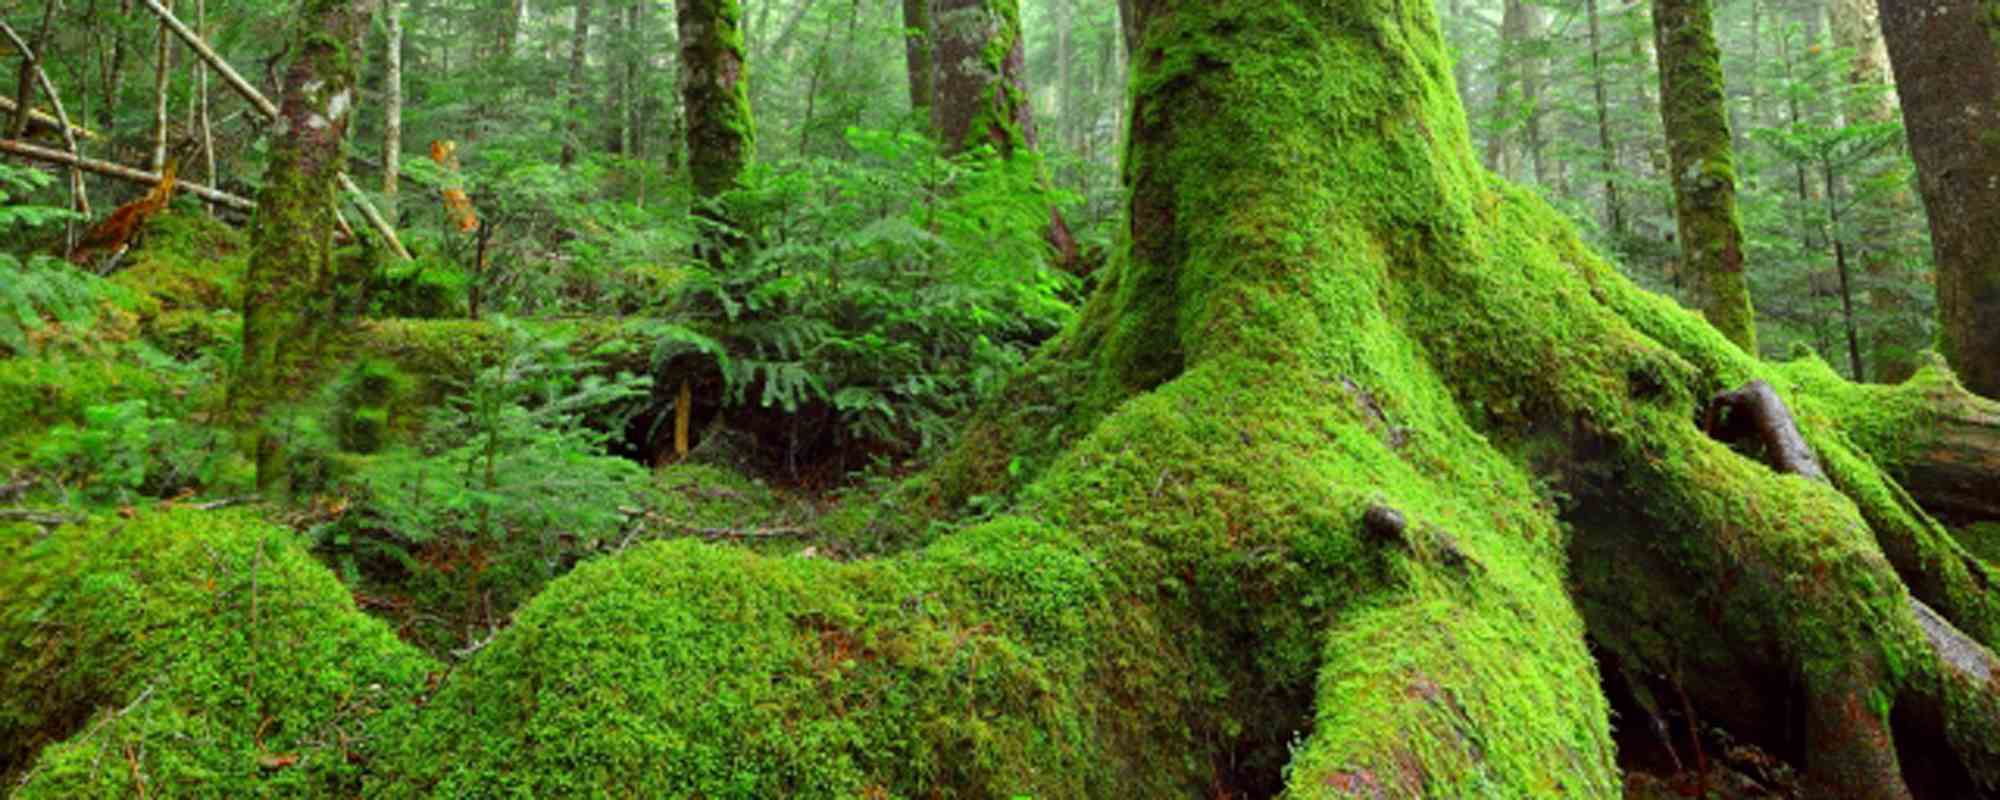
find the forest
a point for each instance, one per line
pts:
(1000, 398)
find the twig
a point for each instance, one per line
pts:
(468, 650)
(712, 534)
(69, 132)
(226, 502)
(43, 518)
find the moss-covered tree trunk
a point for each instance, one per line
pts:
(1322, 495)
(1330, 492)
(1693, 107)
(1947, 60)
(982, 91)
(715, 96)
(291, 235)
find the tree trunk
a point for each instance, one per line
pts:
(1322, 494)
(163, 64)
(715, 91)
(1607, 147)
(392, 107)
(291, 235)
(579, 44)
(1947, 64)
(917, 55)
(982, 92)
(1704, 167)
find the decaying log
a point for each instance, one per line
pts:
(121, 172)
(269, 111)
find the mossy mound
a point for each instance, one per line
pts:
(188, 261)
(682, 669)
(184, 653)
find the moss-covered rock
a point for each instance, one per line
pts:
(187, 653)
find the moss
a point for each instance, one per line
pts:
(722, 136)
(191, 651)
(189, 335)
(682, 669)
(1982, 540)
(36, 393)
(1693, 105)
(189, 262)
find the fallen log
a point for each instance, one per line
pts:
(121, 172)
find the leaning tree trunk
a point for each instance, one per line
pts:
(1947, 60)
(982, 91)
(1693, 108)
(291, 235)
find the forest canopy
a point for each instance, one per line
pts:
(1000, 398)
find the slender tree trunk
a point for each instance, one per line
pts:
(982, 91)
(163, 64)
(917, 55)
(1947, 64)
(291, 235)
(1857, 28)
(1607, 147)
(618, 138)
(202, 119)
(1704, 166)
(1534, 82)
(579, 44)
(392, 108)
(715, 89)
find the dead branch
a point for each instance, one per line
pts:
(46, 519)
(121, 172)
(265, 107)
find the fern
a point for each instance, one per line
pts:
(45, 291)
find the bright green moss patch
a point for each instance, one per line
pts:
(682, 669)
(1982, 540)
(189, 261)
(193, 652)
(36, 393)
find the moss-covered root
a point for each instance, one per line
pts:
(689, 670)
(1788, 565)
(187, 654)
(1412, 704)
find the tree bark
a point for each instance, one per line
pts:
(982, 92)
(163, 63)
(291, 235)
(1607, 147)
(579, 43)
(1692, 108)
(1947, 64)
(392, 106)
(715, 92)
(917, 48)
